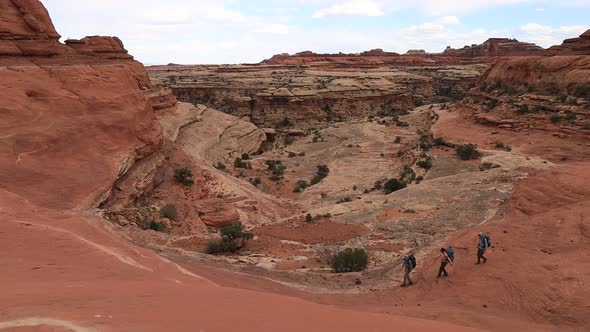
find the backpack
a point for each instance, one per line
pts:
(411, 261)
(451, 254)
(486, 237)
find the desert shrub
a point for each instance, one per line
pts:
(378, 185)
(273, 164)
(245, 156)
(561, 98)
(292, 154)
(301, 154)
(393, 185)
(168, 211)
(407, 175)
(288, 140)
(300, 186)
(233, 238)
(285, 122)
(239, 163)
(350, 260)
(322, 172)
(355, 187)
(439, 141)
(399, 153)
(255, 182)
(401, 123)
(555, 118)
(503, 146)
(523, 109)
(582, 91)
(184, 176)
(308, 218)
(397, 140)
(425, 163)
(552, 89)
(425, 143)
(344, 200)
(220, 166)
(419, 179)
(467, 151)
(569, 116)
(493, 103)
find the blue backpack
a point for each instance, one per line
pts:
(451, 254)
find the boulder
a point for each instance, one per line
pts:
(215, 212)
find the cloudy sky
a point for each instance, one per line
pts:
(231, 31)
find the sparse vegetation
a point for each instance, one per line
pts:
(309, 218)
(570, 116)
(255, 181)
(407, 175)
(344, 200)
(239, 163)
(582, 91)
(393, 185)
(425, 162)
(321, 173)
(523, 109)
(503, 146)
(184, 176)
(555, 118)
(169, 211)
(350, 260)
(233, 238)
(467, 151)
(397, 140)
(245, 156)
(220, 166)
(300, 186)
(285, 122)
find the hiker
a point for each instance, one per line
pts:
(408, 264)
(482, 246)
(446, 259)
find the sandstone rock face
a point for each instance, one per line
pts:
(315, 93)
(67, 128)
(579, 45)
(217, 213)
(494, 47)
(105, 47)
(563, 71)
(218, 135)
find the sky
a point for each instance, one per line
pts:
(231, 31)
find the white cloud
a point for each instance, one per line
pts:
(352, 8)
(546, 36)
(448, 20)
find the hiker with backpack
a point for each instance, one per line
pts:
(482, 246)
(408, 264)
(448, 256)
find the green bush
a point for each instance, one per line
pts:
(308, 218)
(397, 140)
(245, 156)
(467, 151)
(239, 163)
(393, 185)
(407, 175)
(255, 182)
(233, 238)
(184, 176)
(300, 186)
(425, 163)
(344, 200)
(503, 146)
(555, 118)
(350, 260)
(582, 91)
(322, 172)
(168, 211)
(220, 166)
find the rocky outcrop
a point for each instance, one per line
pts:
(217, 213)
(561, 73)
(72, 122)
(104, 47)
(573, 46)
(495, 47)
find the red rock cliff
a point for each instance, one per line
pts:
(73, 117)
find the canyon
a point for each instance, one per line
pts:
(100, 233)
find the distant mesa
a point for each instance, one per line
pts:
(574, 46)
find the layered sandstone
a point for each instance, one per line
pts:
(573, 46)
(495, 47)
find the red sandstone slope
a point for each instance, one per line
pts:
(72, 120)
